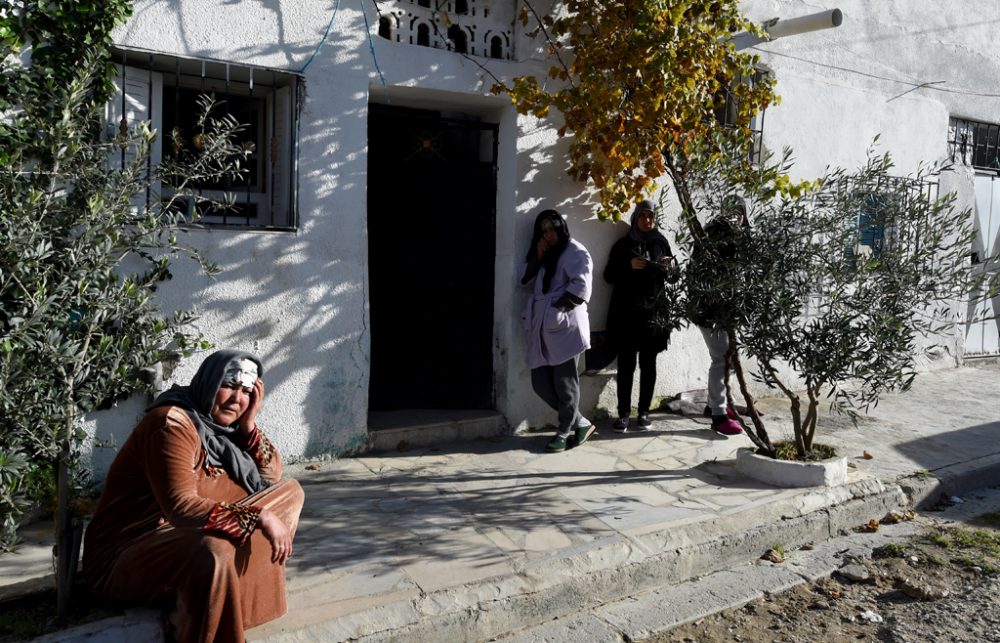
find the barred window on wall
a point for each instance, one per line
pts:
(974, 143)
(727, 110)
(164, 90)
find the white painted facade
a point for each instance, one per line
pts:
(300, 299)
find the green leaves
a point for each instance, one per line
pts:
(80, 254)
(842, 278)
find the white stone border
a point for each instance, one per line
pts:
(787, 473)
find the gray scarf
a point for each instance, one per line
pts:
(197, 398)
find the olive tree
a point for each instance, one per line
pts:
(834, 292)
(85, 241)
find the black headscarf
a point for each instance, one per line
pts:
(551, 256)
(656, 244)
(197, 398)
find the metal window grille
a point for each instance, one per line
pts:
(164, 90)
(871, 235)
(867, 232)
(974, 143)
(726, 115)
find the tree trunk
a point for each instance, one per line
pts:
(758, 435)
(688, 212)
(796, 409)
(68, 534)
(809, 428)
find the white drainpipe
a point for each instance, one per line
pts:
(779, 28)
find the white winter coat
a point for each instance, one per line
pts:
(555, 336)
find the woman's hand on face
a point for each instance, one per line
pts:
(249, 419)
(542, 246)
(638, 263)
(278, 534)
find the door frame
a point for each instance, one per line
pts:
(497, 111)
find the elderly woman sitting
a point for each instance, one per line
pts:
(194, 510)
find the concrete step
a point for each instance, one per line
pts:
(570, 581)
(645, 615)
(407, 429)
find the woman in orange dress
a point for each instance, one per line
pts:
(194, 514)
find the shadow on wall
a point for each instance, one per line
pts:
(295, 299)
(298, 300)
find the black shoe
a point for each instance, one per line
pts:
(643, 423)
(620, 425)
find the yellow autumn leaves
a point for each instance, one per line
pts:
(638, 80)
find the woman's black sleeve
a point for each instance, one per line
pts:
(530, 271)
(616, 260)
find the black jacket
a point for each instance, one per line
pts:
(630, 317)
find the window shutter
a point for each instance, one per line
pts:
(281, 158)
(138, 96)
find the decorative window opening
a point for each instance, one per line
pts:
(164, 90)
(436, 24)
(974, 143)
(460, 42)
(496, 47)
(385, 27)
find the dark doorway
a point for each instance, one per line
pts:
(431, 251)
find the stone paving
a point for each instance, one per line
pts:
(437, 529)
(468, 541)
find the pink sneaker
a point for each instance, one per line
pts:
(726, 425)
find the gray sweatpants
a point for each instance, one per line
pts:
(718, 345)
(559, 387)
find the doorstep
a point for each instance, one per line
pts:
(410, 428)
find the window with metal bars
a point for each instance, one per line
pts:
(164, 90)
(974, 143)
(726, 112)
(875, 225)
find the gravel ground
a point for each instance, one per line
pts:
(941, 586)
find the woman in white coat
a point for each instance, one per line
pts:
(559, 270)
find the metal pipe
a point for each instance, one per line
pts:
(780, 28)
(777, 28)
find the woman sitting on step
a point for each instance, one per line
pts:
(194, 513)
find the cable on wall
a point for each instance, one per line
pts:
(326, 33)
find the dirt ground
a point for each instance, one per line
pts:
(940, 587)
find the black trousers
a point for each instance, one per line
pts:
(626, 373)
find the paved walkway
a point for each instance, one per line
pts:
(471, 541)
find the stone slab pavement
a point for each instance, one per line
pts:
(474, 541)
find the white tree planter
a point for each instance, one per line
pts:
(787, 473)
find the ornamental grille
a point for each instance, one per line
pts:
(480, 28)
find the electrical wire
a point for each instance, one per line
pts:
(371, 44)
(915, 85)
(323, 40)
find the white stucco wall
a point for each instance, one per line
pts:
(299, 299)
